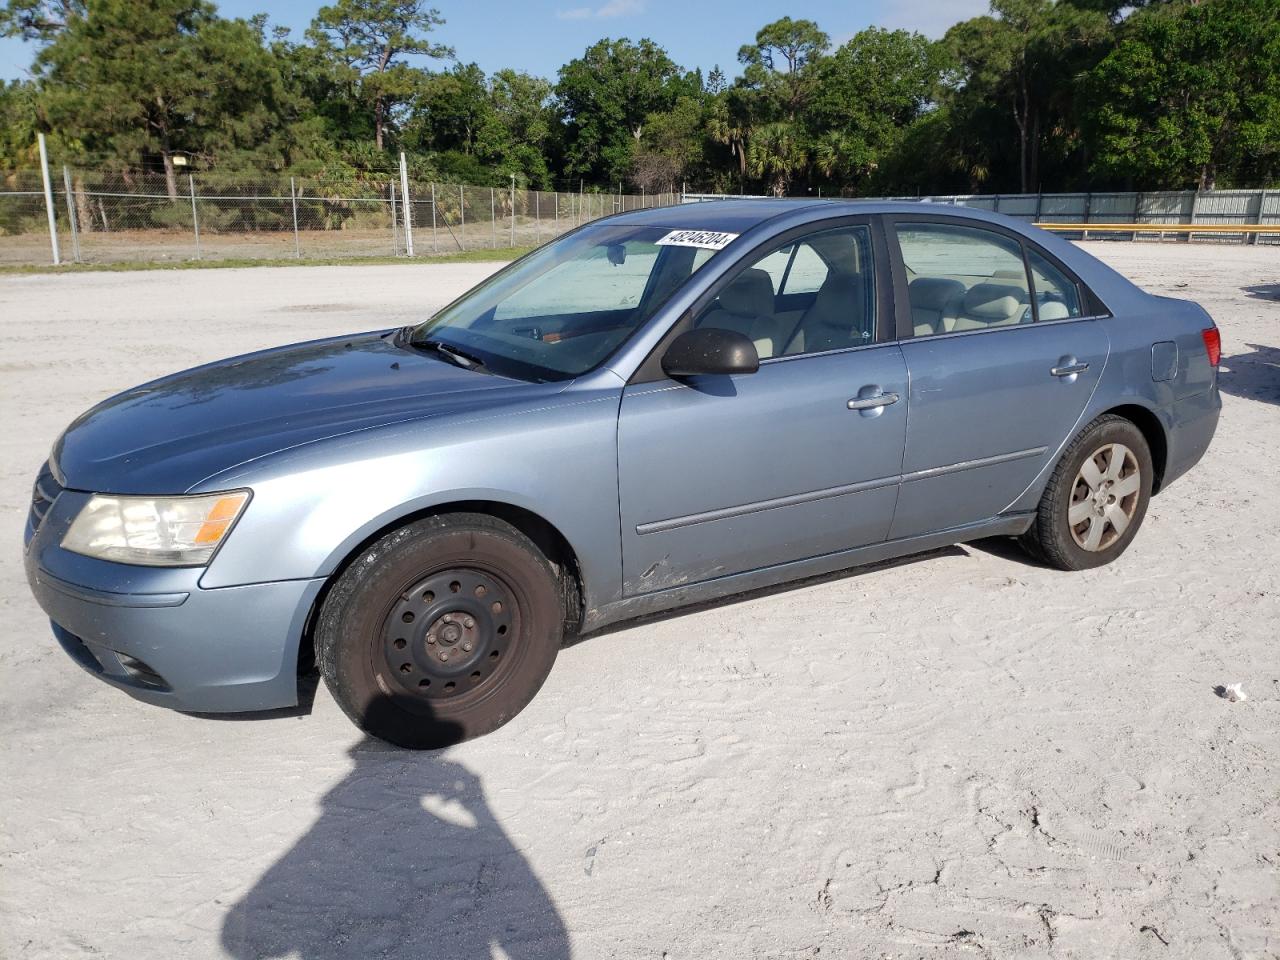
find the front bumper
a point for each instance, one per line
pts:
(156, 634)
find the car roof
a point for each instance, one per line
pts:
(737, 215)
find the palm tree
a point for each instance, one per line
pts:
(776, 153)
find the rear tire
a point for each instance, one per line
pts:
(441, 631)
(1096, 499)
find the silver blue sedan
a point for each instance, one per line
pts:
(659, 408)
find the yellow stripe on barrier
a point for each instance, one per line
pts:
(1232, 228)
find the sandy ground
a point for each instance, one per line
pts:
(963, 755)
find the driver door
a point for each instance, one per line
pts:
(721, 475)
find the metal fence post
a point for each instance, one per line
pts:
(195, 219)
(493, 217)
(435, 240)
(48, 200)
(293, 196)
(1088, 211)
(462, 219)
(71, 213)
(537, 216)
(513, 210)
(557, 233)
(408, 211)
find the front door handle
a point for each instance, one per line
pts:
(1069, 368)
(874, 402)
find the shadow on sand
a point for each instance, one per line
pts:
(406, 860)
(1255, 375)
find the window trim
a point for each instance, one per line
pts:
(1091, 304)
(650, 370)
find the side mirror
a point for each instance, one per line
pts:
(710, 350)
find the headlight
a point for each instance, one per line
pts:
(155, 531)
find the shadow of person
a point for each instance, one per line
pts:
(1255, 376)
(406, 860)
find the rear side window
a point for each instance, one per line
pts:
(963, 278)
(1057, 296)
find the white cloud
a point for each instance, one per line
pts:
(613, 8)
(931, 17)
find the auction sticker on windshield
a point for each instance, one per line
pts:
(707, 239)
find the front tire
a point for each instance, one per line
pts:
(441, 631)
(1096, 499)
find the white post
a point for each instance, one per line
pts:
(395, 235)
(195, 221)
(404, 199)
(513, 209)
(435, 242)
(293, 195)
(75, 227)
(48, 199)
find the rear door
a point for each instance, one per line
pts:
(722, 475)
(1002, 361)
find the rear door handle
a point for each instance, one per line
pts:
(873, 403)
(1069, 369)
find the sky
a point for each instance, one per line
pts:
(539, 36)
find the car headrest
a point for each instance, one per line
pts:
(994, 302)
(838, 302)
(1054, 310)
(750, 293)
(933, 293)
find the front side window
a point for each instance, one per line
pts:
(814, 294)
(565, 308)
(963, 278)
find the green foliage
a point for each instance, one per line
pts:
(1038, 94)
(606, 96)
(1190, 94)
(368, 39)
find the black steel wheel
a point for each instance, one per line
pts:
(441, 631)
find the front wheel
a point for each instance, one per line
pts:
(1095, 501)
(441, 631)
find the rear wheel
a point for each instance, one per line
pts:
(1096, 499)
(442, 631)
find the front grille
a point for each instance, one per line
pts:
(43, 494)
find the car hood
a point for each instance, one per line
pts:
(168, 435)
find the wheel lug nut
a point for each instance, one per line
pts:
(468, 623)
(443, 656)
(467, 646)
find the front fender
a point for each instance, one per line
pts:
(313, 506)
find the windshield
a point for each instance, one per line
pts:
(565, 308)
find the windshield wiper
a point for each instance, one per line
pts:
(455, 355)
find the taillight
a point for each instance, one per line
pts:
(1212, 345)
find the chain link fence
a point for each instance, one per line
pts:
(103, 217)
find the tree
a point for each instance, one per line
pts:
(671, 147)
(1192, 92)
(606, 96)
(370, 38)
(1017, 60)
(160, 78)
(780, 64)
(777, 84)
(868, 92)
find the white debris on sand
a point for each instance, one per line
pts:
(965, 754)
